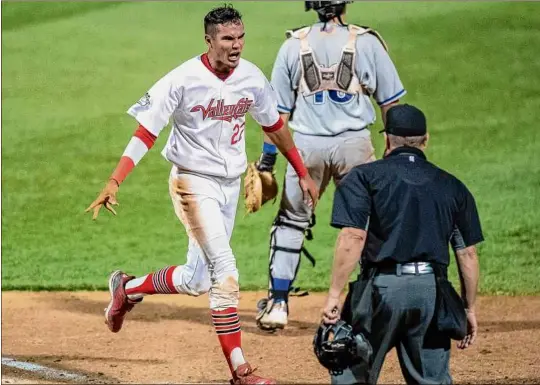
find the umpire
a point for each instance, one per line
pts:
(402, 298)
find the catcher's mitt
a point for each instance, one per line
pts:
(259, 188)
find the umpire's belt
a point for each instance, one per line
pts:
(411, 268)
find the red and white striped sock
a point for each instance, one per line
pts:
(159, 282)
(227, 325)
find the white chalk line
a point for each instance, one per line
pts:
(47, 372)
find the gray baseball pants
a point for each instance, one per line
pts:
(326, 158)
(403, 309)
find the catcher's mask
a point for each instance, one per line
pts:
(337, 348)
(327, 10)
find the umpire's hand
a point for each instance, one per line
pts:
(472, 331)
(106, 198)
(332, 311)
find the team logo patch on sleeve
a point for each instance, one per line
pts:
(145, 100)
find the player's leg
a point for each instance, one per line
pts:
(192, 278)
(350, 150)
(288, 231)
(224, 293)
(210, 220)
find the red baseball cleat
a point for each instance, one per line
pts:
(244, 375)
(120, 303)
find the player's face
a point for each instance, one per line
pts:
(227, 45)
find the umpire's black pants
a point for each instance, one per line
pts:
(403, 309)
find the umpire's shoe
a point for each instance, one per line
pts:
(272, 315)
(244, 375)
(120, 303)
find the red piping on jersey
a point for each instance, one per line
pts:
(220, 75)
(146, 136)
(274, 127)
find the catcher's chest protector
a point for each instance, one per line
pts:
(339, 77)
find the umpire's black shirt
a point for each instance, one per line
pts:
(409, 204)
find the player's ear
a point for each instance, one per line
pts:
(208, 40)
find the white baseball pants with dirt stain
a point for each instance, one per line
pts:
(206, 206)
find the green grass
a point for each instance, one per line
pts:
(70, 71)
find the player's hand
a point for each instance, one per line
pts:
(106, 198)
(310, 191)
(332, 310)
(472, 331)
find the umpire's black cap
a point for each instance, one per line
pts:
(405, 120)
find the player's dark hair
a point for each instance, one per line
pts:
(221, 15)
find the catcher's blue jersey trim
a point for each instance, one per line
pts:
(283, 109)
(393, 98)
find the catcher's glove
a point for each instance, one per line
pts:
(259, 187)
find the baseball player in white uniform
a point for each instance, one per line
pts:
(207, 98)
(325, 75)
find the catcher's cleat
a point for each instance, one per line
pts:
(244, 375)
(272, 315)
(120, 303)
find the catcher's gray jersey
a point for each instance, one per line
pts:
(332, 112)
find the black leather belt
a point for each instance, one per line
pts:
(411, 268)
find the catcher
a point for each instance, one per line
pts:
(327, 73)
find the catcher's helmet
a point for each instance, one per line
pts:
(337, 348)
(327, 10)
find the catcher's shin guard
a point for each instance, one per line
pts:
(286, 245)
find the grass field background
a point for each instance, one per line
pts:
(71, 70)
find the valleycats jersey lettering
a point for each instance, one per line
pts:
(222, 111)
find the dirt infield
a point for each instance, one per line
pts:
(170, 339)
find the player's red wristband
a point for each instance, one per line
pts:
(293, 156)
(125, 165)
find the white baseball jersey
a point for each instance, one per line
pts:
(208, 115)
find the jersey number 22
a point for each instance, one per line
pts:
(238, 132)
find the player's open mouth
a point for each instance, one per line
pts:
(234, 56)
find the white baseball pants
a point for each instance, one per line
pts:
(206, 206)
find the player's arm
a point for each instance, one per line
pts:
(281, 83)
(350, 213)
(138, 146)
(265, 112)
(282, 139)
(153, 112)
(267, 160)
(383, 73)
